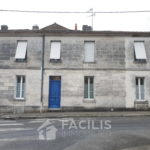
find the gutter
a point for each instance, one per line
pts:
(42, 68)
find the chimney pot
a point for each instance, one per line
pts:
(86, 28)
(75, 26)
(35, 27)
(4, 27)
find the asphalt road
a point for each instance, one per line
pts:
(98, 133)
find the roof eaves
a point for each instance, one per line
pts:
(76, 32)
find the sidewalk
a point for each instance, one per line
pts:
(147, 147)
(74, 114)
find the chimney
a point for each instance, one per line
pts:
(4, 27)
(86, 28)
(35, 27)
(75, 26)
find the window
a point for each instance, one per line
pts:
(139, 53)
(21, 52)
(20, 87)
(55, 51)
(88, 88)
(140, 88)
(89, 52)
(55, 78)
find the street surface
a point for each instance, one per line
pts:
(95, 133)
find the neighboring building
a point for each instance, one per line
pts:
(81, 70)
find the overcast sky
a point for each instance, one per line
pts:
(124, 22)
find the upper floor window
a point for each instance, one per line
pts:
(140, 88)
(21, 52)
(55, 51)
(139, 53)
(89, 51)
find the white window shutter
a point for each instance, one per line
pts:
(21, 50)
(55, 50)
(89, 52)
(139, 50)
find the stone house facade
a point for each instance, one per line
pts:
(55, 68)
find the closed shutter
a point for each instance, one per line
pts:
(89, 52)
(139, 50)
(21, 50)
(55, 50)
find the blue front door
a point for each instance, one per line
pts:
(54, 92)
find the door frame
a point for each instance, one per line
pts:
(49, 91)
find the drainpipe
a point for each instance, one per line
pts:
(42, 68)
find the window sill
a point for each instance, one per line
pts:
(89, 101)
(89, 62)
(140, 101)
(19, 99)
(55, 61)
(139, 62)
(20, 61)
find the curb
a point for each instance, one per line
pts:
(68, 116)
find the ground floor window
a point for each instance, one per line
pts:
(20, 87)
(140, 88)
(89, 88)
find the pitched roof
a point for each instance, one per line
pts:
(54, 26)
(56, 29)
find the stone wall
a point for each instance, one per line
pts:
(109, 53)
(114, 72)
(109, 88)
(7, 89)
(131, 87)
(136, 69)
(8, 46)
(129, 52)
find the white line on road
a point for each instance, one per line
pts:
(14, 124)
(13, 139)
(16, 129)
(36, 121)
(6, 121)
(41, 119)
(19, 139)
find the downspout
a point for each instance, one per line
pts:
(42, 68)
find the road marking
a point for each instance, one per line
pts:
(15, 124)
(19, 139)
(53, 119)
(6, 121)
(41, 119)
(13, 139)
(36, 121)
(16, 129)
